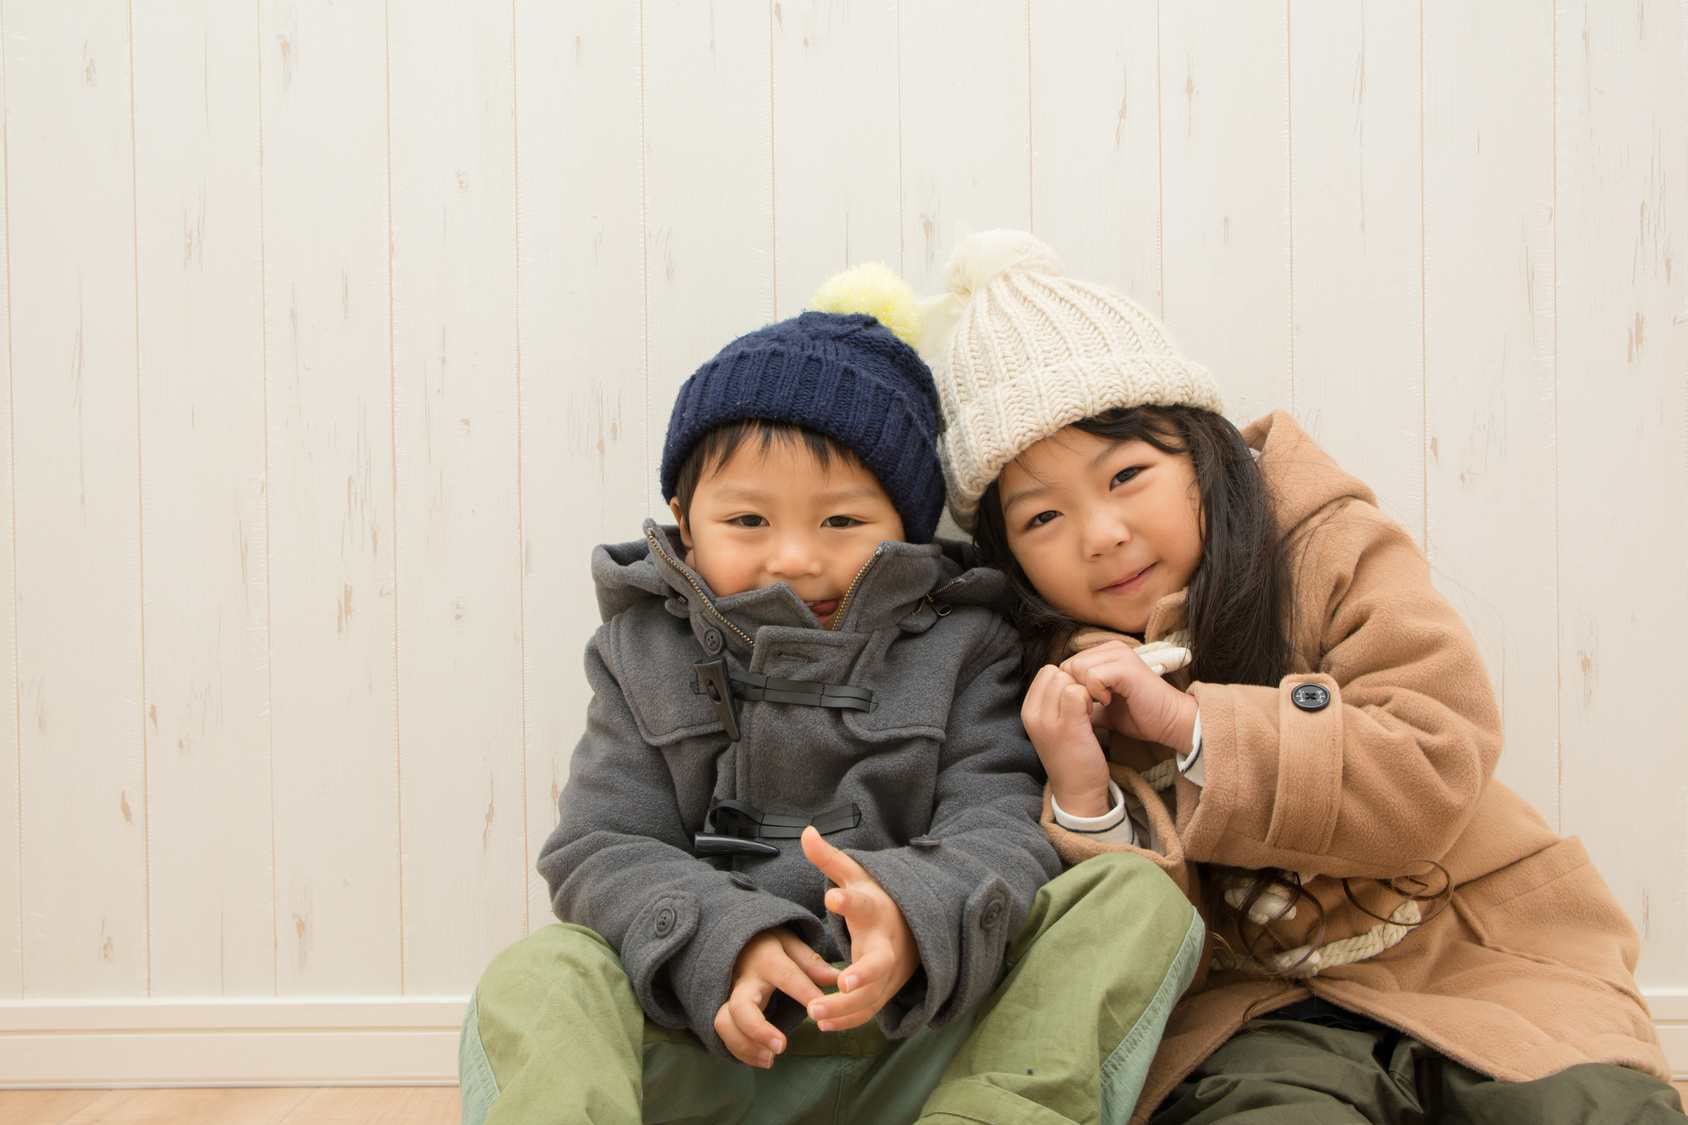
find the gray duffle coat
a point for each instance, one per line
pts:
(940, 770)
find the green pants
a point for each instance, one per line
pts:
(1288, 1072)
(554, 1034)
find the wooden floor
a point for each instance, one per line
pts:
(429, 1105)
(433, 1105)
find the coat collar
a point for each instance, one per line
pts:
(892, 588)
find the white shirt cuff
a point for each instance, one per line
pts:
(1112, 827)
(1190, 765)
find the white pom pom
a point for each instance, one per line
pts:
(980, 257)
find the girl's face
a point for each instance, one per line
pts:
(1103, 529)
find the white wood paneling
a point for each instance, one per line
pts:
(1490, 399)
(1356, 206)
(580, 306)
(331, 356)
(1095, 141)
(327, 352)
(71, 224)
(1622, 218)
(966, 127)
(1225, 236)
(199, 250)
(11, 867)
(462, 805)
(709, 261)
(837, 159)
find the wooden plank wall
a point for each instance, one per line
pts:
(337, 333)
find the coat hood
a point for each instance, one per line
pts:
(1302, 479)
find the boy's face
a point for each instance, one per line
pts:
(774, 515)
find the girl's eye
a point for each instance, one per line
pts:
(841, 521)
(1040, 519)
(1124, 475)
(748, 521)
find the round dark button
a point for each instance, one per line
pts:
(992, 914)
(664, 921)
(740, 879)
(1310, 697)
(923, 842)
(712, 641)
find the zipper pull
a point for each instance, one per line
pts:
(712, 674)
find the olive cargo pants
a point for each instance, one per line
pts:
(554, 1034)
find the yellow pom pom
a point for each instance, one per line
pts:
(873, 289)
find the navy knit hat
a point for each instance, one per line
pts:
(844, 375)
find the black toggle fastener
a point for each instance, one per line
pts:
(739, 828)
(754, 687)
(713, 681)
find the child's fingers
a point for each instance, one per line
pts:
(843, 1010)
(1075, 703)
(814, 966)
(870, 968)
(1080, 662)
(858, 907)
(1046, 686)
(744, 1029)
(791, 979)
(834, 864)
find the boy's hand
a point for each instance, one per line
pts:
(883, 946)
(1133, 699)
(1058, 715)
(773, 959)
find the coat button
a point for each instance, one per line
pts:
(712, 641)
(1310, 697)
(740, 879)
(992, 914)
(923, 842)
(664, 921)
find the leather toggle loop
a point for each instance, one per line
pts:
(740, 828)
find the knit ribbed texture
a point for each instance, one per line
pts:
(845, 376)
(1032, 352)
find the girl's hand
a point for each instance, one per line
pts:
(1058, 716)
(1133, 699)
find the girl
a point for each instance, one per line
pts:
(1305, 742)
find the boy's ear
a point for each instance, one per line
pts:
(685, 532)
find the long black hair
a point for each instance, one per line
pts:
(1238, 597)
(1238, 615)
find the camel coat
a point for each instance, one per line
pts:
(1528, 969)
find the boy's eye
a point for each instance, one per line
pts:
(1040, 519)
(748, 521)
(1125, 474)
(841, 521)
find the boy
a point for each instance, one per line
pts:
(793, 686)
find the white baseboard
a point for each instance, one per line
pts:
(310, 1042)
(317, 1042)
(1670, 1015)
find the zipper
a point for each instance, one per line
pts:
(931, 598)
(838, 614)
(650, 537)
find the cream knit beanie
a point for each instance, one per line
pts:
(1030, 352)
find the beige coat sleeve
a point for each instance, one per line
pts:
(1389, 770)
